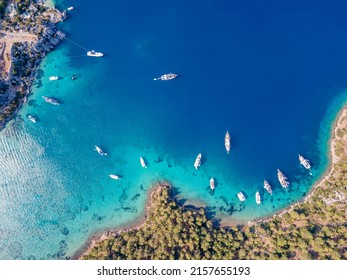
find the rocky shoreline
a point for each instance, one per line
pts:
(27, 35)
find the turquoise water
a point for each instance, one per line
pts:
(274, 77)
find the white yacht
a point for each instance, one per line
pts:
(115, 177)
(241, 196)
(50, 100)
(267, 187)
(305, 162)
(166, 77)
(257, 198)
(143, 163)
(282, 179)
(70, 8)
(101, 152)
(94, 53)
(227, 142)
(32, 118)
(197, 162)
(53, 78)
(212, 184)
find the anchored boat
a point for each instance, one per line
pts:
(50, 100)
(115, 177)
(32, 118)
(227, 141)
(53, 78)
(212, 184)
(257, 198)
(101, 152)
(267, 187)
(143, 163)
(241, 196)
(197, 162)
(94, 53)
(166, 77)
(282, 179)
(305, 162)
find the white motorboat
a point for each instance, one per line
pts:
(166, 77)
(115, 177)
(53, 78)
(241, 196)
(143, 163)
(257, 197)
(70, 8)
(197, 162)
(94, 53)
(101, 152)
(32, 118)
(212, 184)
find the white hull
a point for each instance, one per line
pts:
(241, 196)
(50, 100)
(212, 184)
(143, 163)
(95, 54)
(267, 187)
(197, 162)
(227, 142)
(53, 78)
(115, 177)
(32, 118)
(282, 179)
(257, 198)
(305, 162)
(166, 77)
(101, 152)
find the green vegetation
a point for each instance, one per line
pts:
(316, 229)
(3, 4)
(23, 5)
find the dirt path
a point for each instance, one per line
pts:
(7, 39)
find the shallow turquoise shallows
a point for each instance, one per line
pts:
(271, 74)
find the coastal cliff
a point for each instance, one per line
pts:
(314, 228)
(27, 33)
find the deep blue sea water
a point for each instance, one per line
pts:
(272, 73)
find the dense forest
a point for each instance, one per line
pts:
(314, 229)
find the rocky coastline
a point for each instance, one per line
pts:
(27, 34)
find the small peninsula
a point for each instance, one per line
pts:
(314, 228)
(27, 33)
